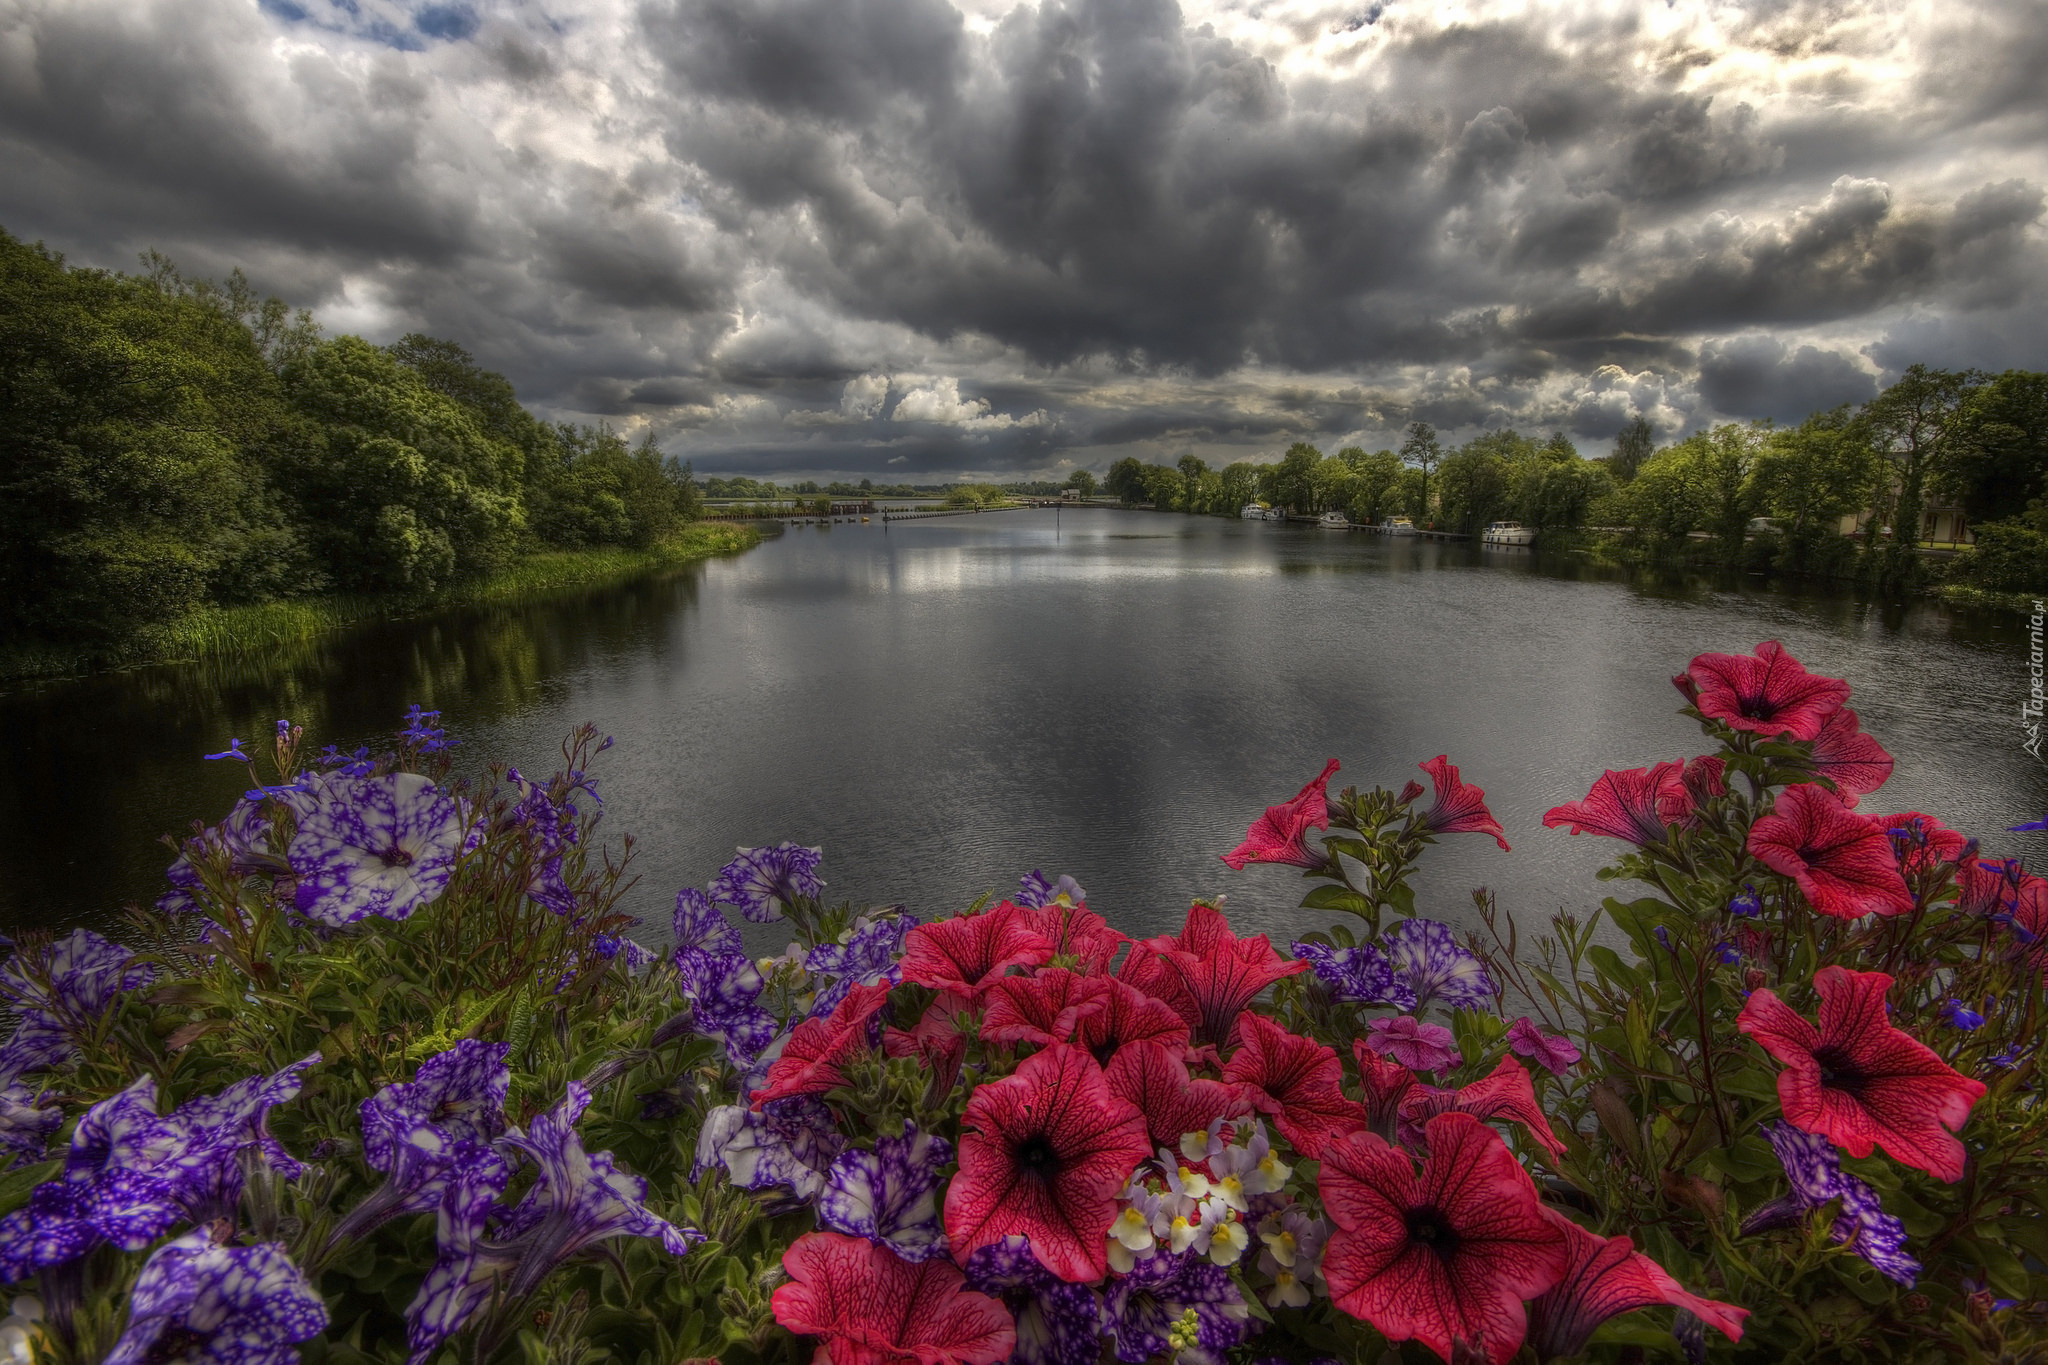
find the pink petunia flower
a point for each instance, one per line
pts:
(1155, 1080)
(1295, 1081)
(1858, 1081)
(1843, 863)
(1855, 762)
(1281, 834)
(1635, 804)
(1767, 693)
(1605, 1277)
(1923, 844)
(1384, 1083)
(869, 1306)
(1220, 972)
(1042, 1008)
(1555, 1055)
(811, 1060)
(1458, 808)
(1446, 1255)
(1128, 1015)
(1412, 1043)
(1076, 932)
(1506, 1093)
(1044, 1155)
(968, 954)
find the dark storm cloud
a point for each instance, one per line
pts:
(880, 235)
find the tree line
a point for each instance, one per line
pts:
(1846, 492)
(167, 444)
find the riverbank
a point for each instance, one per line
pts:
(222, 632)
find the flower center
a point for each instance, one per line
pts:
(1428, 1229)
(175, 1345)
(1036, 1157)
(1838, 1071)
(395, 856)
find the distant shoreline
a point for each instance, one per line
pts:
(221, 632)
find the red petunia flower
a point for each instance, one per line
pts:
(936, 1040)
(1041, 1008)
(967, 954)
(1459, 808)
(1605, 1277)
(872, 1307)
(1445, 1255)
(1855, 762)
(811, 1059)
(1842, 862)
(1128, 1015)
(1297, 1082)
(1153, 1077)
(1858, 1081)
(1506, 1093)
(1631, 803)
(1386, 1083)
(1767, 693)
(1927, 843)
(1077, 932)
(1281, 834)
(1706, 777)
(1045, 1154)
(1221, 972)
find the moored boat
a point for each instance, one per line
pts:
(1397, 526)
(1334, 521)
(1253, 511)
(1508, 533)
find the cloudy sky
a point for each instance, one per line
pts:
(926, 238)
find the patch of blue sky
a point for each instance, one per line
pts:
(408, 25)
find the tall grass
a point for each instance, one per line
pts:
(219, 632)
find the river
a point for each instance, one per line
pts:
(945, 704)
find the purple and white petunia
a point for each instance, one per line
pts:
(58, 993)
(1057, 1323)
(724, 991)
(762, 882)
(65, 1219)
(790, 1142)
(199, 1302)
(1360, 975)
(1815, 1171)
(420, 1132)
(869, 952)
(26, 1124)
(702, 925)
(465, 1266)
(376, 846)
(1143, 1308)
(580, 1197)
(1035, 891)
(1428, 963)
(211, 1132)
(889, 1195)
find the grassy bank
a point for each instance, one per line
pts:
(221, 632)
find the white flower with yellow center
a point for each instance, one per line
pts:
(1227, 1242)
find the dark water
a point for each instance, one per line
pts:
(946, 704)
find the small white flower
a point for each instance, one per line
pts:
(1121, 1260)
(1133, 1229)
(1227, 1242)
(1287, 1292)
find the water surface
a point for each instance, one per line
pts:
(944, 704)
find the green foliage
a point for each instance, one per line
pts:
(1999, 458)
(168, 446)
(1083, 482)
(1632, 446)
(2009, 556)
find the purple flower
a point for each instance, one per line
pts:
(209, 1133)
(60, 991)
(1057, 1323)
(202, 1303)
(357, 764)
(1747, 904)
(701, 925)
(1412, 1043)
(889, 1195)
(1360, 975)
(2007, 1059)
(2031, 827)
(868, 954)
(65, 1219)
(1817, 1178)
(1428, 962)
(1554, 1055)
(375, 846)
(420, 1132)
(1958, 1015)
(422, 732)
(26, 1126)
(724, 991)
(234, 751)
(465, 1266)
(579, 1198)
(791, 1142)
(1143, 1307)
(1035, 891)
(762, 882)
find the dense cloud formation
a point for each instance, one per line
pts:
(933, 237)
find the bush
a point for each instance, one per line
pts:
(2009, 556)
(382, 1078)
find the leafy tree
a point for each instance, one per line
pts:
(1561, 494)
(1811, 475)
(1913, 425)
(1375, 485)
(1081, 480)
(1998, 460)
(1423, 451)
(1559, 449)
(1165, 487)
(1126, 480)
(1631, 447)
(1292, 482)
(1192, 470)
(1237, 485)
(1474, 485)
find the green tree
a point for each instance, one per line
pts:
(1424, 452)
(1560, 495)
(1998, 459)
(1912, 424)
(1126, 480)
(1292, 482)
(1375, 484)
(1238, 485)
(1811, 475)
(1474, 485)
(1080, 480)
(1631, 447)
(1193, 470)
(1165, 487)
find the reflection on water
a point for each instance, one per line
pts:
(945, 704)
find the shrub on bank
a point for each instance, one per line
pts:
(382, 1077)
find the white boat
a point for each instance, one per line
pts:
(1334, 521)
(1397, 526)
(1508, 533)
(1253, 512)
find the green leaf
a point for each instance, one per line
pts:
(1336, 898)
(17, 1185)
